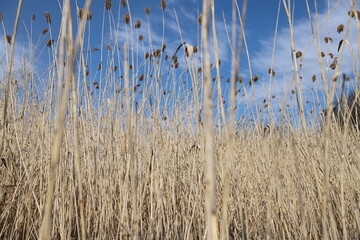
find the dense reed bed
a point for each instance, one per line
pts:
(135, 147)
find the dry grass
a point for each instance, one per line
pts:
(132, 161)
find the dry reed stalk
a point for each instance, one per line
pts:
(71, 52)
(9, 77)
(295, 66)
(130, 148)
(210, 176)
(231, 126)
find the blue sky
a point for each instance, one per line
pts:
(260, 27)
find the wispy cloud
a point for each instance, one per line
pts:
(282, 64)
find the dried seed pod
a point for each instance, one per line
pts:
(195, 49)
(126, 18)
(130, 67)
(340, 28)
(239, 79)
(327, 39)
(141, 77)
(163, 4)
(48, 18)
(49, 42)
(163, 47)
(107, 4)
(199, 70)
(271, 71)
(314, 78)
(141, 37)
(44, 31)
(33, 17)
(115, 68)
(293, 91)
(147, 11)
(147, 55)
(200, 19)
(138, 24)
(8, 39)
(1, 17)
(347, 78)
(99, 67)
(333, 65)
(255, 78)
(331, 55)
(108, 47)
(298, 54)
(322, 54)
(166, 57)
(123, 3)
(340, 43)
(354, 14)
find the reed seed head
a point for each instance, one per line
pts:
(354, 14)
(328, 39)
(138, 24)
(147, 55)
(107, 4)
(331, 55)
(200, 19)
(163, 4)
(126, 18)
(8, 39)
(99, 67)
(255, 78)
(314, 78)
(141, 77)
(271, 71)
(298, 54)
(1, 17)
(141, 37)
(33, 17)
(322, 54)
(48, 18)
(147, 11)
(44, 31)
(340, 28)
(195, 49)
(123, 3)
(163, 47)
(49, 42)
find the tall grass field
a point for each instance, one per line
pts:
(132, 137)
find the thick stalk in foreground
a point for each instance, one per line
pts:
(210, 191)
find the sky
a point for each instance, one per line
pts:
(260, 28)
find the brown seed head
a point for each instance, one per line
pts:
(48, 18)
(327, 39)
(331, 55)
(163, 47)
(1, 17)
(107, 4)
(347, 78)
(123, 3)
(147, 11)
(158, 53)
(195, 49)
(141, 37)
(200, 19)
(340, 28)
(99, 67)
(141, 77)
(271, 71)
(108, 47)
(314, 78)
(292, 91)
(354, 14)
(322, 54)
(298, 54)
(126, 18)
(255, 78)
(138, 24)
(147, 55)
(130, 67)
(163, 4)
(33, 17)
(166, 57)
(44, 31)
(49, 42)
(115, 68)
(333, 65)
(8, 39)
(199, 70)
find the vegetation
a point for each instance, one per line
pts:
(128, 149)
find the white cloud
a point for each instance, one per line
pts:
(282, 83)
